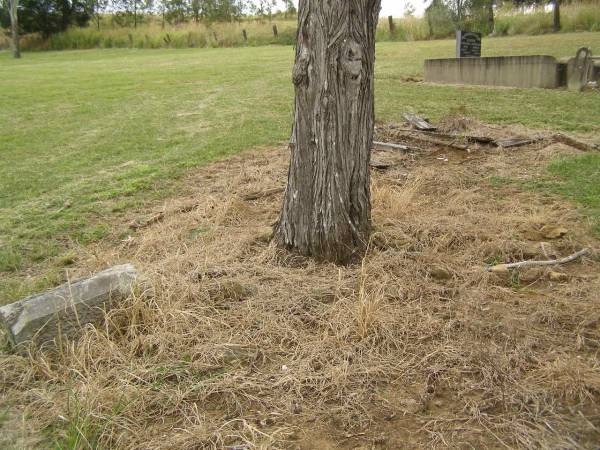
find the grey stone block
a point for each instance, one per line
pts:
(66, 309)
(537, 71)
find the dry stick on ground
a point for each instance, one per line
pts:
(379, 165)
(145, 222)
(262, 194)
(468, 137)
(516, 142)
(441, 143)
(532, 263)
(389, 146)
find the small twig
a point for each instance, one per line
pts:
(262, 194)
(544, 250)
(378, 165)
(516, 142)
(187, 208)
(532, 263)
(389, 146)
(468, 137)
(145, 222)
(441, 143)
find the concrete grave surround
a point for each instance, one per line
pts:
(538, 71)
(64, 310)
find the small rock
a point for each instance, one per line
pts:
(531, 275)
(558, 277)
(553, 232)
(440, 274)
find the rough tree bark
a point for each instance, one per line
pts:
(14, 27)
(326, 211)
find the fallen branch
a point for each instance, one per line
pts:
(468, 137)
(379, 165)
(262, 194)
(389, 146)
(532, 263)
(516, 142)
(433, 141)
(146, 222)
(187, 208)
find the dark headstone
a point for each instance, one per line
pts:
(468, 44)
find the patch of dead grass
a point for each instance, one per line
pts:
(242, 344)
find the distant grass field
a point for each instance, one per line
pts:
(86, 136)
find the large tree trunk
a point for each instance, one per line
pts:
(14, 27)
(327, 207)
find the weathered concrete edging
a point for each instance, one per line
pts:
(66, 309)
(536, 71)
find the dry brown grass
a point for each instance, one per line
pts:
(240, 343)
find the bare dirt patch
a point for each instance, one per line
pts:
(242, 345)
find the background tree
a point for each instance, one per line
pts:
(446, 16)
(409, 10)
(290, 8)
(13, 6)
(196, 9)
(95, 9)
(222, 10)
(130, 12)
(555, 9)
(326, 211)
(49, 16)
(176, 11)
(556, 16)
(490, 4)
(263, 8)
(439, 19)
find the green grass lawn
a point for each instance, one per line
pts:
(88, 135)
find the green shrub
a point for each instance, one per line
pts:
(437, 24)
